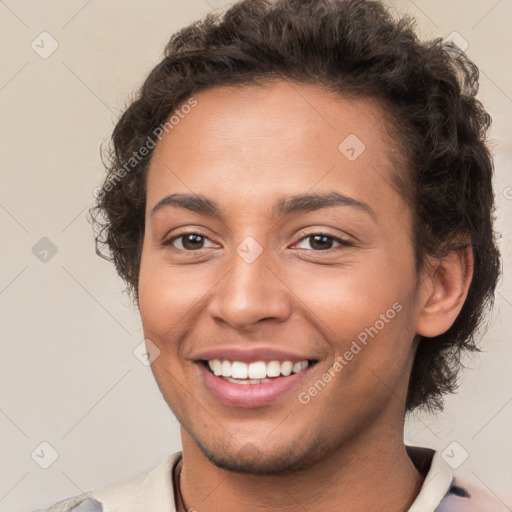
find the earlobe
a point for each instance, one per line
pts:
(444, 291)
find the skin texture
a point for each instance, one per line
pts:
(245, 148)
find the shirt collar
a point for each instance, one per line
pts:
(156, 491)
(438, 479)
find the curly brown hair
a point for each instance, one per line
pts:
(353, 47)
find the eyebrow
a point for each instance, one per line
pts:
(301, 203)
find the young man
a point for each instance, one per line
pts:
(300, 200)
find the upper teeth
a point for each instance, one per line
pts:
(256, 370)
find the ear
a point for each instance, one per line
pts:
(443, 291)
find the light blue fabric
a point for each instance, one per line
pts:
(74, 504)
(88, 506)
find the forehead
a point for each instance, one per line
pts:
(250, 143)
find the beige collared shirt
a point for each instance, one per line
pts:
(154, 491)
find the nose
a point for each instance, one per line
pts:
(250, 293)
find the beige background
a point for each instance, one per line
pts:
(67, 369)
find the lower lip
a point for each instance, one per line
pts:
(250, 395)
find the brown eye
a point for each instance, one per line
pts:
(322, 242)
(189, 241)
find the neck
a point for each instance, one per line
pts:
(372, 473)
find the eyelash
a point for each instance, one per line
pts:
(341, 241)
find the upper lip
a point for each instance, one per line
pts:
(251, 355)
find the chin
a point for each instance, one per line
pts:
(251, 460)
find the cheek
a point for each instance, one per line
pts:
(168, 294)
(364, 311)
(347, 299)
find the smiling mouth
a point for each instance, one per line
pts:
(257, 372)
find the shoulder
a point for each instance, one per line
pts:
(128, 495)
(444, 491)
(79, 503)
(466, 497)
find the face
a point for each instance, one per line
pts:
(258, 274)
